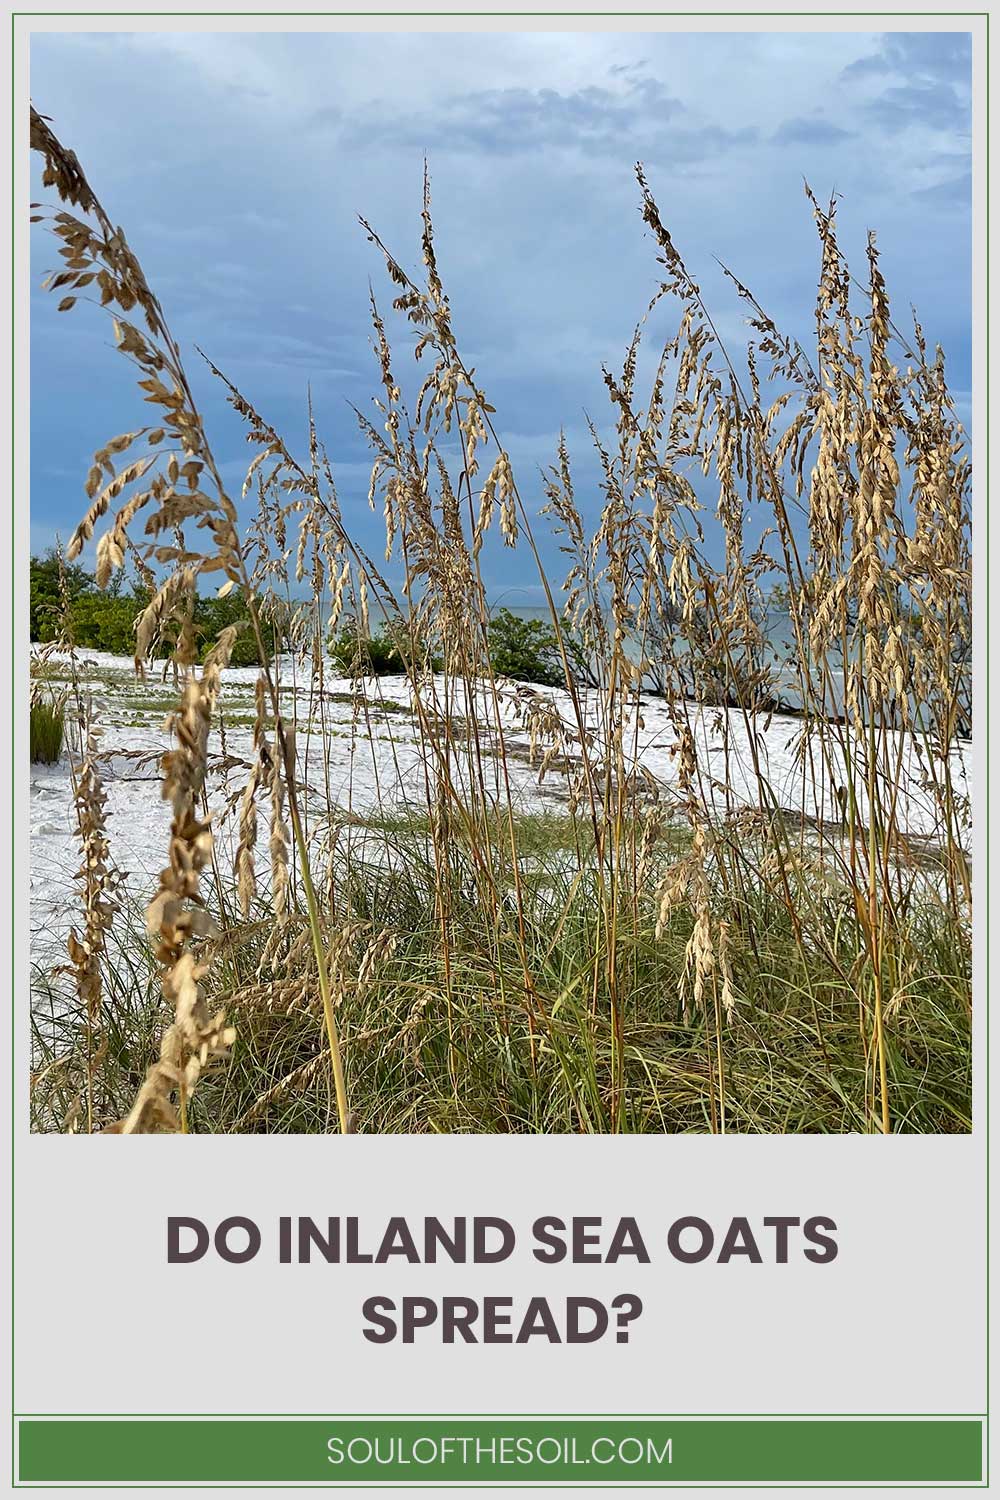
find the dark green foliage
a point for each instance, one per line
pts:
(45, 602)
(46, 733)
(104, 622)
(213, 615)
(391, 652)
(104, 619)
(528, 650)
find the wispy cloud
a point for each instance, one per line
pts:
(932, 55)
(806, 132)
(954, 192)
(927, 80)
(639, 117)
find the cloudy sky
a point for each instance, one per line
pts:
(238, 165)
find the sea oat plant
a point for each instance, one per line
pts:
(179, 460)
(727, 949)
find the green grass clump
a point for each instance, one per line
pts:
(47, 722)
(450, 1038)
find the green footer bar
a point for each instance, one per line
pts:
(494, 1451)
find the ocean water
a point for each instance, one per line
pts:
(779, 637)
(780, 652)
(777, 627)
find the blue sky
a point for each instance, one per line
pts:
(238, 164)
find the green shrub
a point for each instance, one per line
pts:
(45, 601)
(104, 619)
(243, 654)
(46, 732)
(528, 650)
(391, 652)
(103, 622)
(212, 615)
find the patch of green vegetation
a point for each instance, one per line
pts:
(534, 834)
(104, 619)
(528, 650)
(444, 1039)
(152, 706)
(392, 651)
(47, 723)
(359, 704)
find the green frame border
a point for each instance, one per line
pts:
(981, 163)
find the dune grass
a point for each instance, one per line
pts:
(46, 727)
(471, 1050)
(723, 953)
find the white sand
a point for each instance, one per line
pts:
(378, 764)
